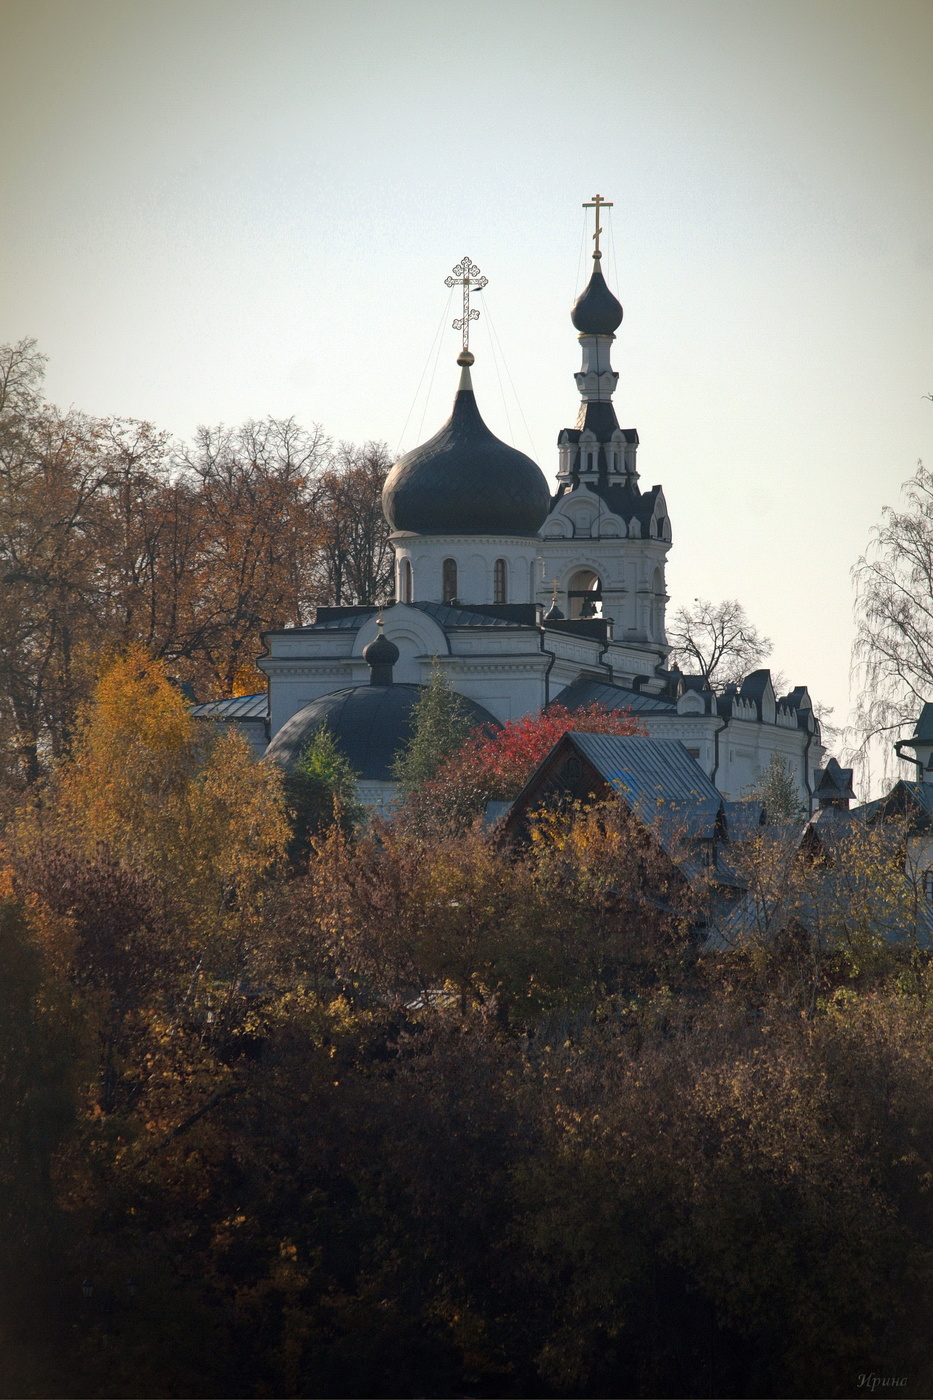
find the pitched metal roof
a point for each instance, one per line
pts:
(924, 729)
(743, 819)
(237, 708)
(458, 617)
(647, 770)
(584, 691)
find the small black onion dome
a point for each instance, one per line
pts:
(596, 311)
(370, 724)
(381, 655)
(465, 481)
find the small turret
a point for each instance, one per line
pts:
(834, 788)
(380, 656)
(921, 741)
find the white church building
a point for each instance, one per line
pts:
(523, 598)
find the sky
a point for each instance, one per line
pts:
(211, 211)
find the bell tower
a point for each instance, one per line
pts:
(604, 544)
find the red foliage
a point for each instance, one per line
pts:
(496, 767)
(507, 759)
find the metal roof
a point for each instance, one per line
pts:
(446, 616)
(743, 819)
(596, 311)
(237, 708)
(466, 481)
(612, 697)
(370, 724)
(647, 770)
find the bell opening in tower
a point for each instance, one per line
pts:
(585, 595)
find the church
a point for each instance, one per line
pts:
(522, 597)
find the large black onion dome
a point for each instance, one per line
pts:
(465, 481)
(370, 724)
(596, 311)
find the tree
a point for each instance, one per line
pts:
(440, 726)
(718, 640)
(893, 649)
(110, 536)
(356, 560)
(251, 489)
(777, 791)
(320, 791)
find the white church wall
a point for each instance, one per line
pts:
(475, 557)
(745, 748)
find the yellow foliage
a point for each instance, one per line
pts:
(249, 680)
(161, 792)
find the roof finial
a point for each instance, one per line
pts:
(597, 203)
(554, 613)
(467, 275)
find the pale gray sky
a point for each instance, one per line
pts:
(212, 209)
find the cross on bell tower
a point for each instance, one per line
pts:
(597, 203)
(467, 275)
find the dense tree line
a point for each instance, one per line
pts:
(395, 1111)
(111, 534)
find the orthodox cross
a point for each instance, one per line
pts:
(597, 203)
(467, 273)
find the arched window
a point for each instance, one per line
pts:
(404, 581)
(449, 580)
(585, 594)
(499, 583)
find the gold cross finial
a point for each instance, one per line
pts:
(597, 203)
(467, 274)
(554, 592)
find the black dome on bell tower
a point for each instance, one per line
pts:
(597, 311)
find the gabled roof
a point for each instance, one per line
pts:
(646, 771)
(923, 733)
(904, 799)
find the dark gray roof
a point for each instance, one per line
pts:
(596, 311)
(835, 783)
(584, 691)
(497, 615)
(370, 724)
(743, 819)
(345, 619)
(647, 770)
(240, 707)
(447, 616)
(465, 481)
(622, 497)
(904, 799)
